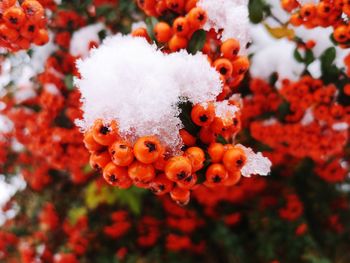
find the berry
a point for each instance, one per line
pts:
(224, 67)
(141, 172)
(178, 168)
(121, 153)
(197, 17)
(161, 185)
(162, 32)
(180, 195)
(216, 152)
(14, 17)
(234, 159)
(181, 27)
(215, 174)
(230, 48)
(116, 176)
(90, 142)
(202, 116)
(105, 133)
(99, 160)
(197, 158)
(147, 149)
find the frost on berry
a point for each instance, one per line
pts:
(229, 15)
(129, 80)
(256, 163)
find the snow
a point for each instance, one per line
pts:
(7, 190)
(308, 117)
(230, 15)
(128, 80)
(340, 126)
(225, 111)
(256, 163)
(79, 45)
(273, 55)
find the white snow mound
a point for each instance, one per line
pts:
(229, 15)
(256, 163)
(128, 80)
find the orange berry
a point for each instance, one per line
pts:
(190, 4)
(197, 17)
(141, 32)
(33, 10)
(42, 37)
(181, 27)
(14, 17)
(216, 152)
(187, 138)
(8, 34)
(5, 4)
(232, 178)
(234, 159)
(180, 195)
(161, 185)
(289, 5)
(203, 116)
(176, 5)
(99, 160)
(340, 34)
(347, 89)
(141, 172)
(324, 9)
(223, 66)
(23, 43)
(116, 176)
(161, 8)
(90, 142)
(230, 48)
(188, 183)
(176, 43)
(178, 168)
(105, 133)
(29, 30)
(160, 163)
(162, 32)
(219, 125)
(308, 11)
(197, 158)
(206, 135)
(215, 174)
(296, 20)
(121, 153)
(240, 66)
(147, 149)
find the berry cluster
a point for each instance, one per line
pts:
(21, 25)
(146, 163)
(176, 35)
(326, 13)
(312, 125)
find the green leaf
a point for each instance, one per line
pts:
(256, 10)
(197, 41)
(68, 81)
(75, 213)
(328, 57)
(102, 34)
(283, 110)
(221, 139)
(298, 56)
(309, 57)
(185, 117)
(151, 23)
